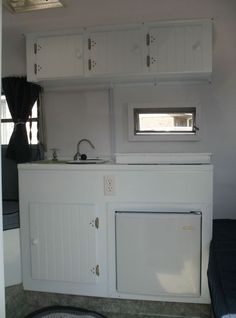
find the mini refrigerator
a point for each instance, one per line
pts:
(158, 253)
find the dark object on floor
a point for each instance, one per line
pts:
(222, 268)
(10, 214)
(64, 312)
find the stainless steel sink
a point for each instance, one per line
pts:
(87, 161)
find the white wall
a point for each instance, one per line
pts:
(2, 289)
(13, 54)
(68, 113)
(71, 116)
(12, 257)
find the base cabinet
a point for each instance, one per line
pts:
(62, 233)
(147, 240)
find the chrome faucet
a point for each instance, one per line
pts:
(78, 154)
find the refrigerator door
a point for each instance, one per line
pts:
(158, 253)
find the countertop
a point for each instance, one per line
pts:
(62, 165)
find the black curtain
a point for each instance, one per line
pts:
(21, 96)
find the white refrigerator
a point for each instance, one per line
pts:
(158, 253)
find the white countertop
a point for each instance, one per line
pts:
(113, 166)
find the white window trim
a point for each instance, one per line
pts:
(171, 137)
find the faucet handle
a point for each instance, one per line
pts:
(83, 156)
(54, 154)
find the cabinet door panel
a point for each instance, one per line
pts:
(180, 48)
(63, 242)
(59, 56)
(116, 52)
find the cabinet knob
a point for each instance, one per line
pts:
(79, 55)
(196, 45)
(135, 49)
(34, 241)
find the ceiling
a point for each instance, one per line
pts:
(83, 13)
(19, 6)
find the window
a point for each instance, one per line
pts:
(150, 122)
(154, 121)
(7, 124)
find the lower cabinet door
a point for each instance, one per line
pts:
(63, 242)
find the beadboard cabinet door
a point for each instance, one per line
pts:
(63, 242)
(177, 48)
(115, 52)
(59, 57)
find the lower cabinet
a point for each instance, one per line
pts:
(148, 239)
(63, 236)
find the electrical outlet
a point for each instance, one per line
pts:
(109, 185)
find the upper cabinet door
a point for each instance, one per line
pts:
(180, 48)
(59, 56)
(115, 52)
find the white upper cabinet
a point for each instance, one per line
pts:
(114, 52)
(58, 57)
(149, 51)
(179, 48)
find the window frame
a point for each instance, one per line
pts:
(137, 108)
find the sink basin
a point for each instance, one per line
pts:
(87, 161)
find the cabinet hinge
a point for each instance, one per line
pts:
(89, 44)
(147, 39)
(35, 48)
(35, 68)
(148, 59)
(97, 270)
(96, 222)
(89, 64)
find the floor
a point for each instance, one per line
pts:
(19, 303)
